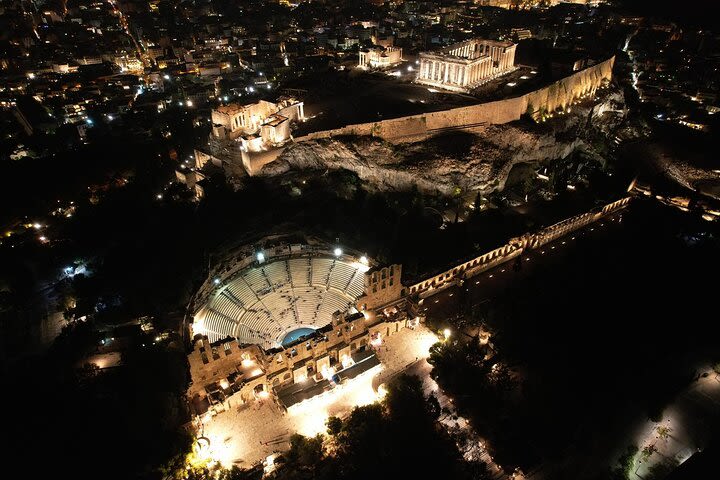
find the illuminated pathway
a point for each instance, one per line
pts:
(402, 347)
(685, 428)
(483, 288)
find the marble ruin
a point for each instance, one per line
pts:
(242, 130)
(466, 65)
(380, 57)
(257, 124)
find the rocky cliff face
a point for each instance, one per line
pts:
(476, 160)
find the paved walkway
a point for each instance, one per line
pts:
(246, 434)
(686, 426)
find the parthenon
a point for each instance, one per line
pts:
(463, 66)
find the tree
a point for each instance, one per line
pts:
(334, 426)
(625, 463)
(304, 451)
(662, 469)
(479, 470)
(647, 451)
(478, 202)
(664, 432)
(457, 202)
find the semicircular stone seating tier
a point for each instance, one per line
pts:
(264, 303)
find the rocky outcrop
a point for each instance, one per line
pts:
(474, 159)
(478, 160)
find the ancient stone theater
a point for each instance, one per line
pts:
(290, 319)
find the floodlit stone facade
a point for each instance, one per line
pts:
(226, 370)
(234, 120)
(463, 66)
(554, 97)
(382, 287)
(380, 57)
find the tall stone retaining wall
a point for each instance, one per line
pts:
(557, 95)
(514, 248)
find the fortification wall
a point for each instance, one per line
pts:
(514, 248)
(557, 95)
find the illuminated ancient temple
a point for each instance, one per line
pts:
(466, 65)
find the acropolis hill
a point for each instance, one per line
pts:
(478, 158)
(555, 98)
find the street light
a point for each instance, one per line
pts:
(338, 251)
(447, 333)
(260, 257)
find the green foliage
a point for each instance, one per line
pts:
(625, 463)
(334, 426)
(662, 469)
(647, 451)
(391, 436)
(217, 472)
(477, 204)
(304, 452)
